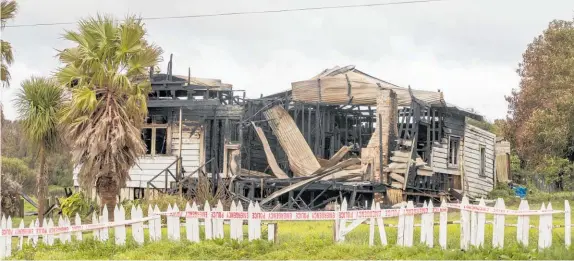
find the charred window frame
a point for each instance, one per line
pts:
(453, 150)
(155, 139)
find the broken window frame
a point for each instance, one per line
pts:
(453, 160)
(155, 142)
(482, 162)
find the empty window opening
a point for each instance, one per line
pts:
(482, 171)
(146, 137)
(453, 148)
(181, 94)
(155, 140)
(160, 141)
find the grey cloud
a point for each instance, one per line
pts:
(464, 47)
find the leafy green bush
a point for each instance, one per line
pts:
(19, 172)
(501, 191)
(77, 203)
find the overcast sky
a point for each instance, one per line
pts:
(470, 49)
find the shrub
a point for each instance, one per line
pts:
(77, 203)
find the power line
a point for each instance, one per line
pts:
(248, 12)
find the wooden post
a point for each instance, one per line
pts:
(442, 226)
(179, 160)
(542, 229)
(481, 220)
(498, 227)
(409, 225)
(567, 224)
(207, 222)
(272, 232)
(464, 225)
(401, 227)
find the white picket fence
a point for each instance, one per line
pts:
(472, 224)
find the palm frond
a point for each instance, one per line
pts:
(8, 10)
(5, 76)
(6, 52)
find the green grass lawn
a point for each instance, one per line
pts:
(312, 240)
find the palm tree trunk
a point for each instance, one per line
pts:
(107, 191)
(42, 186)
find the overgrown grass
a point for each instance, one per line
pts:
(313, 240)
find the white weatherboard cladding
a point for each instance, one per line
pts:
(148, 166)
(474, 139)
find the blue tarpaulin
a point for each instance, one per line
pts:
(520, 191)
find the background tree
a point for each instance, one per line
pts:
(107, 72)
(38, 105)
(541, 113)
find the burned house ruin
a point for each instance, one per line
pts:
(340, 134)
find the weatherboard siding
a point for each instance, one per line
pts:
(475, 184)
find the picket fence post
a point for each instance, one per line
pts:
(95, 221)
(191, 224)
(8, 238)
(473, 228)
(120, 231)
(175, 230)
(480, 225)
(219, 222)
(140, 226)
(104, 219)
(151, 224)
(430, 225)
(523, 225)
(78, 222)
(442, 230)
(21, 238)
(549, 225)
(168, 220)
(464, 224)
(239, 231)
(545, 227)
(423, 236)
(342, 222)
(567, 224)
(208, 226)
(250, 221)
(381, 225)
(498, 227)
(50, 236)
(372, 227)
(232, 222)
(3, 238)
(401, 226)
(257, 221)
(33, 239)
(271, 231)
(157, 223)
(61, 223)
(409, 225)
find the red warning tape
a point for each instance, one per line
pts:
(317, 215)
(279, 216)
(511, 212)
(68, 229)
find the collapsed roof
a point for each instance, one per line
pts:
(348, 85)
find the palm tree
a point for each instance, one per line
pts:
(8, 10)
(107, 73)
(38, 105)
